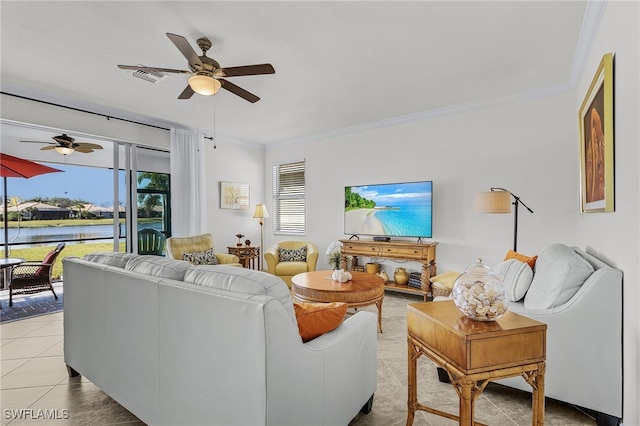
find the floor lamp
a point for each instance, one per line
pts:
(498, 200)
(260, 213)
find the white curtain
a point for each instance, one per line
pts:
(188, 189)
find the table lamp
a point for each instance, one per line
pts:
(498, 200)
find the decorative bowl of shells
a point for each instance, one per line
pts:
(480, 294)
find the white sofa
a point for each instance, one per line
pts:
(584, 333)
(210, 345)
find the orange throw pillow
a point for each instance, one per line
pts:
(529, 260)
(315, 319)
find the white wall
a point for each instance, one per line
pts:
(233, 163)
(528, 147)
(617, 235)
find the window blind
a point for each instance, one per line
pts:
(289, 198)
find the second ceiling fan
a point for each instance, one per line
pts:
(206, 75)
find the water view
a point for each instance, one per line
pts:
(35, 237)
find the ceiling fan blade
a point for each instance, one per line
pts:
(83, 149)
(187, 93)
(152, 69)
(185, 48)
(88, 145)
(236, 90)
(248, 70)
(46, 148)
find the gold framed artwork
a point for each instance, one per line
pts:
(596, 141)
(234, 195)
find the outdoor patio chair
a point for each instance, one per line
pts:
(151, 241)
(34, 276)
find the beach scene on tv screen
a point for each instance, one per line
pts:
(402, 209)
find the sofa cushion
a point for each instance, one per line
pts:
(206, 257)
(516, 276)
(242, 280)
(559, 274)
(530, 260)
(110, 258)
(293, 255)
(158, 266)
(284, 269)
(315, 319)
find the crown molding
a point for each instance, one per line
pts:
(528, 94)
(590, 24)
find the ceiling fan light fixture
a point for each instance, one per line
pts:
(204, 84)
(64, 150)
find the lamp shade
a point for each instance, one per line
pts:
(204, 84)
(493, 202)
(261, 211)
(64, 150)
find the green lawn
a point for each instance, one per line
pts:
(70, 250)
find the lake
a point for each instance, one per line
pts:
(33, 237)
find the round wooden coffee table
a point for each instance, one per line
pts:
(364, 289)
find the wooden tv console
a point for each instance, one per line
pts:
(424, 253)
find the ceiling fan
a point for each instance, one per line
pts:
(206, 75)
(67, 145)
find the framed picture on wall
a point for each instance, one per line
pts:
(596, 141)
(234, 195)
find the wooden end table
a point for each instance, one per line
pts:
(364, 289)
(248, 255)
(474, 353)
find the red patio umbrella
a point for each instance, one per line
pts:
(11, 166)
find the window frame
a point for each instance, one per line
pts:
(291, 198)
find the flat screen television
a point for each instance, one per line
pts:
(389, 210)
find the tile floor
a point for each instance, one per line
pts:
(35, 388)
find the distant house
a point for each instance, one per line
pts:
(33, 210)
(100, 211)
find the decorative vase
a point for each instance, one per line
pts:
(372, 268)
(247, 242)
(383, 274)
(480, 294)
(401, 276)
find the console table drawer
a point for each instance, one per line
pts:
(402, 252)
(360, 249)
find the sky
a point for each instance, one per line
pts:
(396, 194)
(91, 184)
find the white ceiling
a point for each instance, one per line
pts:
(339, 65)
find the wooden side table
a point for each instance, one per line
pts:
(249, 255)
(474, 353)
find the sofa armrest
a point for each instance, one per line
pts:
(312, 256)
(226, 258)
(584, 340)
(272, 257)
(328, 379)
